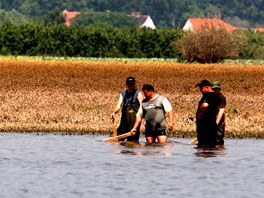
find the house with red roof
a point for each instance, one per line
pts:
(259, 29)
(143, 20)
(198, 23)
(68, 16)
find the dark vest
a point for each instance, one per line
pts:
(130, 99)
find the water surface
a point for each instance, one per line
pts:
(33, 165)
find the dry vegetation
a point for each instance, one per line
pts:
(78, 96)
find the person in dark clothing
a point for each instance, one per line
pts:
(206, 115)
(129, 100)
(220, 120)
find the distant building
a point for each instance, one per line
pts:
(68, 16)
(198, 23)
(259, 29)
(143, 20)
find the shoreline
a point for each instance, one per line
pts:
(174, 134)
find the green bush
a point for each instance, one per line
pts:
(254, 48)
(209, 45)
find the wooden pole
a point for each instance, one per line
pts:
(193, 141)
(116, 138)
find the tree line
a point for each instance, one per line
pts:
(106, 41)
(165, 13)
(96, 41)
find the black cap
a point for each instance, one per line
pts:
(130, 80)
(203, 83)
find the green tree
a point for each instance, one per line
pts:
(13, 17)
(54, 16)
(105, 18)
(165, 13)
(254, 48)
(30, 8)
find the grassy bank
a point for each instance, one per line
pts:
(77, 96)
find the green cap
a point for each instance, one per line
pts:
(216, 85)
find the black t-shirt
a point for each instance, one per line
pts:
(213, 99)
(206, 124)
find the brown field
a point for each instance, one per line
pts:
(78, 96)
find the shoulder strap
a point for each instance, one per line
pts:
(123, 93)
(135, 97)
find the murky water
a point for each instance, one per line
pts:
(57, 166)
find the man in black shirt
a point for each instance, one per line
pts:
(206, 115)
(220, 120)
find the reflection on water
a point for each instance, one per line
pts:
(147, 149)
(162, 149)
(205, 151)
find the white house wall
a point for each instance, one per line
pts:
(148, 23)
(187, 26)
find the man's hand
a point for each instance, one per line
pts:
(134, 131)
(112, 116)
(170, 126)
